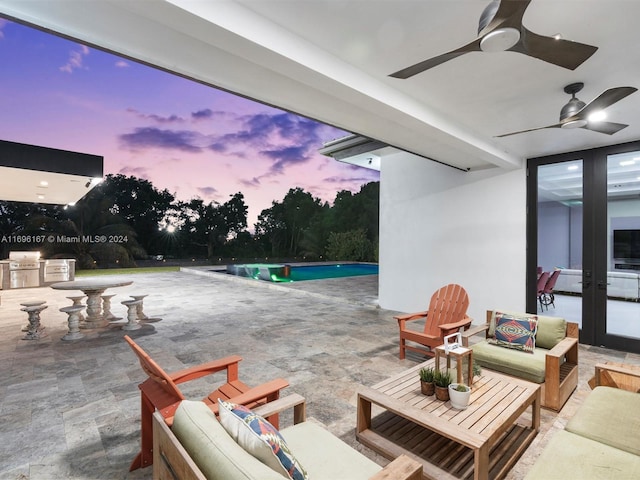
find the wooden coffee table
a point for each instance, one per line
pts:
(484, 441)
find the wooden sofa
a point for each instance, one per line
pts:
(601, 440)
(553, 364)
(197, 447)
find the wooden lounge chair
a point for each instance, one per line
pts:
(160, 392)
(447, 314)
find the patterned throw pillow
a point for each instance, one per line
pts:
(515, 332)
(259, 438)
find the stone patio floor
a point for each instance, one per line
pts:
(70, 410)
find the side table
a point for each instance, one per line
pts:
(459, 354)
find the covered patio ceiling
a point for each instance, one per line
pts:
(331, 60)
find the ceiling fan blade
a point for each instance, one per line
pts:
(435, 61)
(557, 125)
(509, 14)
(605, 127)
(563, 53)
(605, 99)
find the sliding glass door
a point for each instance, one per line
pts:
(584, 220)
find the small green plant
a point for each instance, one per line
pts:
(477, 370)
(427, 374)
(461, 387)
(442, 379)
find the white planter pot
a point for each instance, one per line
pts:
(459, 400)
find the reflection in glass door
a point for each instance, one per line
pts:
(623, 249)
(560, 234)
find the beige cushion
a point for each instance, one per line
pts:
(525, 365)
(609, 415)
(550, 329)
(325, 456)
(217, 455)
(568, 456)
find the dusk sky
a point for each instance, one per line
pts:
(191, 139)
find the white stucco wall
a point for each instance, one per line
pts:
(439, 225)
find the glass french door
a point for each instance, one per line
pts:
(584, 220)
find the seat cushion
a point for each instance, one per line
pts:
(325, 456)
(528, 366)
(217, 455)
(609, 415)
(569, 456)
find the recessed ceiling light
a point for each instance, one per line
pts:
(43, 183)
(558, 36)
(572, 167)
(626, 163)
(40, 196)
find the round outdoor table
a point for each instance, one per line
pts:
(93, 289)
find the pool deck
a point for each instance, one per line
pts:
(71, 409)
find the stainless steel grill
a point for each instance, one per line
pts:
(24, 269)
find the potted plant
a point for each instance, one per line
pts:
(459, 393)
(477, 370)
(427, 386)
(442, 381)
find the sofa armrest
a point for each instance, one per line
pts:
(619, 375)
(564, 347)
(402, 468)
(474, 330)
(294, 401)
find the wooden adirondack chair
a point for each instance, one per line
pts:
(446, 315)
(160, 392)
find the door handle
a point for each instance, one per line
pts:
(602, 285)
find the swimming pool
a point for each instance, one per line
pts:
(299, 273)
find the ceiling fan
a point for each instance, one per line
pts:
(577, 114)
(500, 29)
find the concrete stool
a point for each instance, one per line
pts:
(139, 310)
(106, 308)
(132, 314)
(35, 328)
(33, 303)
(77, 302)
(73, 321)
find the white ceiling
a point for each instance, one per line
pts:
(330, 60)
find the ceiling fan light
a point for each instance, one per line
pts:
(574, 124)
(597, 116)
(500, 40)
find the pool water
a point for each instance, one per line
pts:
(318, 272)
(288, 273)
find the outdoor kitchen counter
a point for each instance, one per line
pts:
(93, 289)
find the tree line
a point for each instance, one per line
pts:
(126, 219)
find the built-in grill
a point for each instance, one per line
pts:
(24, 269)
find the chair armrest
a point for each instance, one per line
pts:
(411, 316)
(402, 468)
(294, 401)
(260, 392)
(473, 330)
(228, 363)
(456, 325)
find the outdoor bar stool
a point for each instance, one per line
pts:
(106, 308)
(35, 328)
(77, 301)
(33, 303)
(73, 311)
(132, 314)
(140, 312)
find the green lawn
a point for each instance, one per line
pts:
(127, 271)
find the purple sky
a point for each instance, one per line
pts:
(193, 140)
